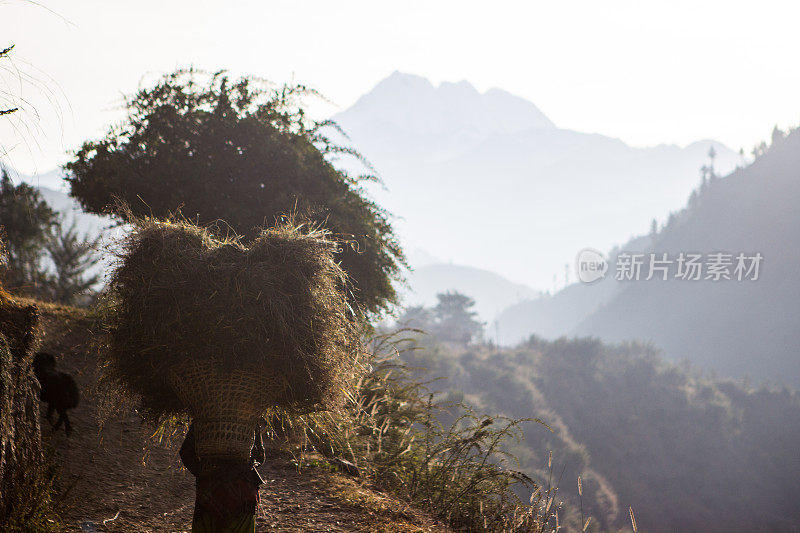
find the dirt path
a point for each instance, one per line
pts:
(113, 475)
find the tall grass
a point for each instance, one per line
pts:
(29, 507)
(441, 457)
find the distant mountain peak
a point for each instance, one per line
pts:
(412, 103)
(403, 80)
(462, 86)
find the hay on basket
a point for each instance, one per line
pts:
(223, 332)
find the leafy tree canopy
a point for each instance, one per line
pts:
(241, 152)
(452, 319)
(455, 319)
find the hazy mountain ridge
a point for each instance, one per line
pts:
(413, 104)
(748, 328)
(557, 315)
(735, 329)
(491, 292)
(496, 166)
(526, 194)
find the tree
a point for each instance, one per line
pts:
(671, 220)
(777, 136)
(239, 152)
(693, 199)
(417, 317)
(759, 149)
(25, 225)
(454, 319)
(72, 258)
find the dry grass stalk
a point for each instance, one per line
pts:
(181, 299)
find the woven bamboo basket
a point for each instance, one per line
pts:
(226, 406)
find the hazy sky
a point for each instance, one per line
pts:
(648, 72)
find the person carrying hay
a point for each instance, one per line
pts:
(226, 493)
(227, 334)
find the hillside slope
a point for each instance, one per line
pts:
(116, 470)
(735, 328)
(687, 453)
(558, 315)
(524, 194)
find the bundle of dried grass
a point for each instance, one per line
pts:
(18, 322)
(24, 491)
(221, 331)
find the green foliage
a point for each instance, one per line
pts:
(245, 153)
(25, 225)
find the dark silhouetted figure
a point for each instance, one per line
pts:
(226, 491)
(59, 390)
